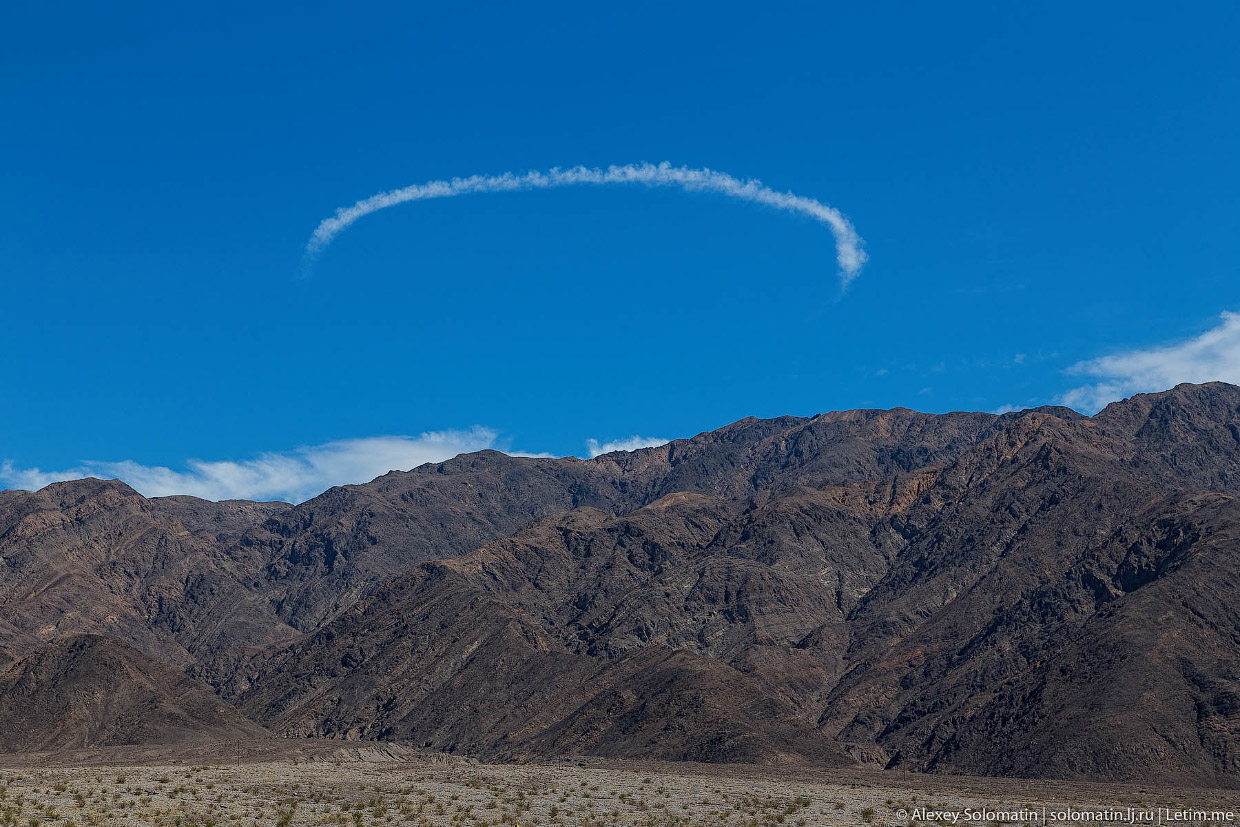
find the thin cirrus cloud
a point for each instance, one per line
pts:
(848, 245)
(1212, 356)
(293, 476)
(594, 448)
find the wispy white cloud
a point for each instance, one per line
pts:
(848, 245)
(594, 448)
(1212, 356)
(293, 475)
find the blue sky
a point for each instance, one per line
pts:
(1039, 186)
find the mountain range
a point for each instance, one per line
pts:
(1036, 593)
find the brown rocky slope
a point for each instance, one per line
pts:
(90, 691)
(955, 593)
(907, 618)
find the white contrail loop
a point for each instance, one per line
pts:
(848, 245)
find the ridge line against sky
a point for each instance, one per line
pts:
(302, 473)
(849, 253)
(1213, 355)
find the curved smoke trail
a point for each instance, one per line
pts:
(848, 245)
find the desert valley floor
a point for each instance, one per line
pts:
(377, 784)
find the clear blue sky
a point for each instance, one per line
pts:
(1037, 184)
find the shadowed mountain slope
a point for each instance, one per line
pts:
(1016, 557)
(90, 691)
(495, 651)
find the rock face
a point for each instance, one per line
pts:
(90, 691)
(331, 551)
(955, 593)
(910, 616)
(94, 556)
(583, 633)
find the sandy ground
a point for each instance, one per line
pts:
(376, 785)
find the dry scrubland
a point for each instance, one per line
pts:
(350, 790)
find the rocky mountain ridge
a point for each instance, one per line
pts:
(954, 593)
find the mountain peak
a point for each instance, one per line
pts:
(1186, 398)
(86, 488)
